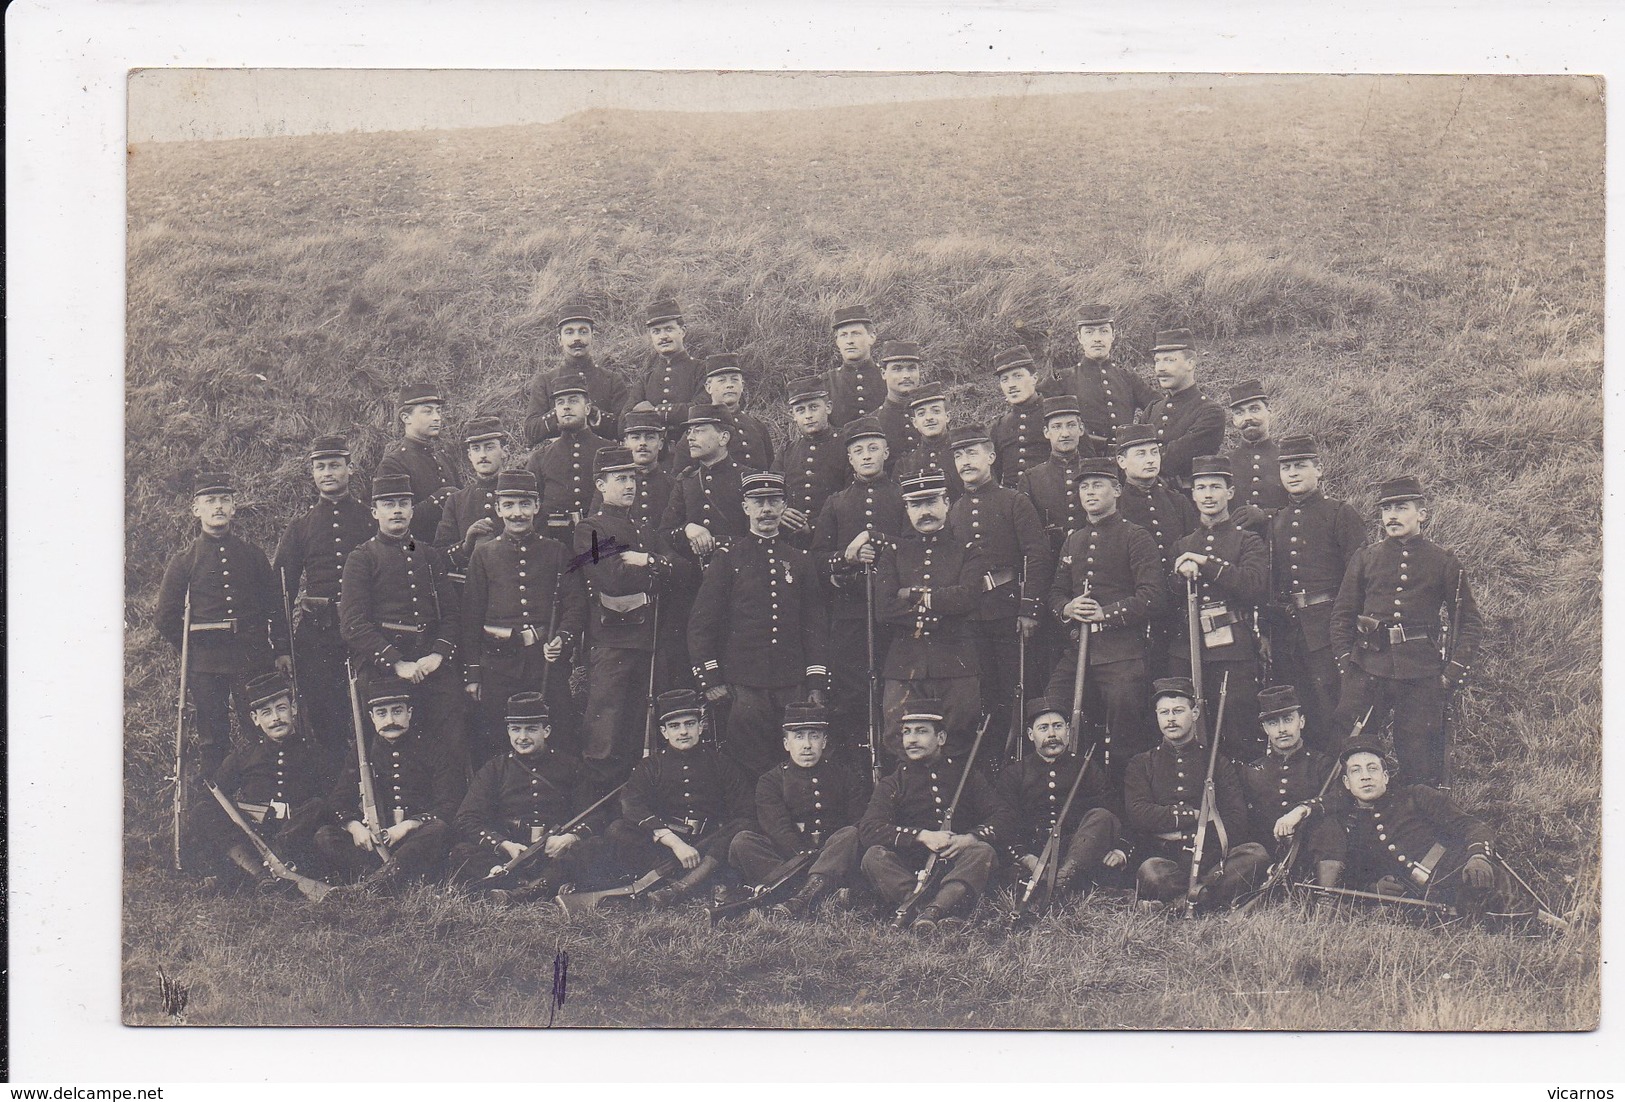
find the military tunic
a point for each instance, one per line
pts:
(709, 496)
(564, 470)
(1188, 425)
(915, 797)
(1394, 836)
(699, 794)
(670, 384)
(1276, 783)
(649, 506)
(1052, 486)
(605, 391)
(518, 799)
(1035, 790)
(433, 480)
(814, 466)
(1258, 475)
(855, 390)
(413, 778)
(802, 808)
(1162, 797)
(750, 441)
(932, 455)
(292, 773)
(1108, 394)
(1019, 442)
(1162, 511)
(901, 435)
(475, 501)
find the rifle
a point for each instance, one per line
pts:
(1013, 742)
(1209, 809)
(1543, 913)
(1266, 653)
(649, 711)
(1447, 654)
(1079, 677)
(552, 631)
(1443, 910)
(935, 869)
(287, 614)
(1193, 624)
(369, 797)
(874, 673)
(1048, 866)
(536, 849)
(770, 889)
(580, 902)
(312, 890)
(179, 808)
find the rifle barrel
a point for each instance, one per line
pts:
(1209, 808)
(178, 810)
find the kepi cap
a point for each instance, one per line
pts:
(212, 482)
(1062, 405)
(1173, 686)
(664, 310)
(678, 702)
(762, 484)
(1278, 700)
(966, 435)
(899, 350)
(266, 688)
(926, 392)
(1172, 340)
(526, 708)
(1298, 446)
(1041, 705)
(852, 315)
(572, 383)
(923, 709)
(1248, 390)
(1094, 313)
(393, 485)
(1012, 358)
(862, 427)
(704, 413)
(723, 363)
(614, 458)
(517, 482)
(804, 713)
(1132, 436)
(1213, 466)
(483, 428)
(807, 388)
(328, 447)
(928, 483)
(420, 393)
(1404, 488)
(575, 312)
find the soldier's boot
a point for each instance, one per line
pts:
(953, 901)
(262, 878)
(724, 895)
(385, 877)
(525, 893)
(811, 893)
(1067, 877)
(926, 921)
(676, 892)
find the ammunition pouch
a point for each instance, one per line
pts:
(629, 609)
(562, 521)
(1422, 871)
(993, 579)
(688, 828)
(1218, 625)
(501, 638)
(321, 613)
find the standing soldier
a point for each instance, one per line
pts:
(1187, 423)
(606, 393)
(671, 378)
(854, 523)
(684, 804)
(1161, 510)
(400, 615)
(900, 366)
(563, 466)
(1109, 583)
(1001, 526)
(758, 628)
(1257, 459)
(1231, 571)
(644, 434)
(1018, 433)
(417, 789)
(1289, 773)
(903, 824)
(1108, 394)
(521, 797)
(470, 514)
(524, 609)
(802, 805)
(927, 584)
(238, 629)
(855, 385)
(278, 782)
(703, 512)
(628, 570)
(814, 462)
(1389, 633)
(422, 416)
(1311, 540)
(1052, 486)
(314, 547)
(1035, 790)
(1162, 798)
(749, 441)
(928, 408)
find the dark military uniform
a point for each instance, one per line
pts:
(901, 435)
(314, 547)
(855, 390)
(1276, 783)
(1310, 544)
(710, 497)
(932, 455)
(474, 502)
(433, 480)
(1168, 516)
(400, 604)
(564, 472)
(699, 794)
(671, 384)
(1108, 393)
(1035, 790)
(1386, 629)
(280, 787)
(801, 808)
(759, 625)
(1162, 797)
(1230, 585)
(514, 586)
(1118, 562)
(1019, 443)
(1188, 425)
(623, 623)
(412, 779)
(605, 391)
(1258, 475)
(750, 442)
(932, 653)
(238, 630)
(874, 506)
(520, 799)
(1003, 528)
(1052, 486)
(915, 797)
(813, 467)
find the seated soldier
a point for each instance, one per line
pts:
(1035, 789)
(1288, 774)
(905, 824)
(683, 805)
(278, 782)
(802, 805)
(1162, 796)
(416, 786)
(1407, 840)
(520, 798)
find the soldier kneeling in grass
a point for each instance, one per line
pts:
(521, 798)
(804, 805)
(682, 807)
(403, 828)
(278, 783)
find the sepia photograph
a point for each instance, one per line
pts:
(884, 551)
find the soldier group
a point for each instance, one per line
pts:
(648, 660)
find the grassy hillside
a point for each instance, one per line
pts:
(1413, 265)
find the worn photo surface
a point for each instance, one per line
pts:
(349, 290)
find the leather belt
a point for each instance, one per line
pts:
(1399, 633)
(404, 629)
(216, 625)
(563, 520)
(625, 603)
(518, 637)
(1301, 599)
(315, 604)
(689, 826)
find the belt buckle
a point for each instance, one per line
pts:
(1396, 634)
